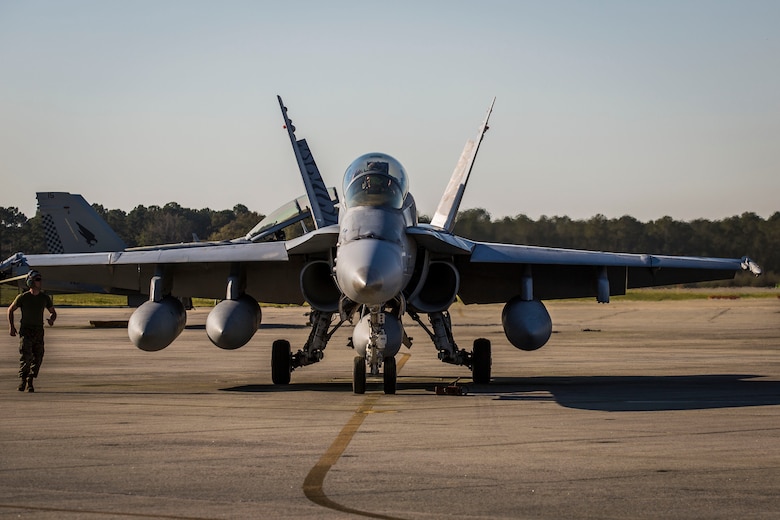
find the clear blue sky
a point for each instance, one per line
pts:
(645, 108)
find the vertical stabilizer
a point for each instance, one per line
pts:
(444, 218)
(323, 211)
(71, 225)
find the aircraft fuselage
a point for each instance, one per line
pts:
(375, 258)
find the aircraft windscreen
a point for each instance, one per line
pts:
(374, 190)
(273, 227)
(285, 215)
(375, 180)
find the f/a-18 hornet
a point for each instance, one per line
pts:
(368, 261)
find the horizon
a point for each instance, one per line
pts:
(493, 218)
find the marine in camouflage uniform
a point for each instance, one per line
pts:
(32, 303)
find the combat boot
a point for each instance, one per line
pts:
(23, 385)
(30, 387)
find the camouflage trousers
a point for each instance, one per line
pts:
(30, 351)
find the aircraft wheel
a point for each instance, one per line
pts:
(390, 375)
(359, 375)
(481, 361)
(281, 362)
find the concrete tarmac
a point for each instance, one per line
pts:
(632, 410)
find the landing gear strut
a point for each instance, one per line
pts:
(377, 338)
(283, 361)
(478, 360)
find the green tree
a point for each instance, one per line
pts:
(238, 226)
(12, 223)
(733, 237)
(627, 234)
(474, 224)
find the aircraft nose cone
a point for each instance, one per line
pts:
(370, 271)
(368, 281)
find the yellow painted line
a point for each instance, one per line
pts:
(312, 485)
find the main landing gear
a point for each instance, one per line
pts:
(283, 361)
(378, 332)
(478, 360)
(481, 361)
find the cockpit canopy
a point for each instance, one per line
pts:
(375, 179)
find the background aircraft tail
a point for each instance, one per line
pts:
(71, 225)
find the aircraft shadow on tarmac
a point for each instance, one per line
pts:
(642, 393)
(597, 393)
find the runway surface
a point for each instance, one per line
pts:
(632, 410)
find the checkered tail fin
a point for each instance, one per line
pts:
(71, 225)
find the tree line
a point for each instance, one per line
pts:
(732, 237)
(142, 226)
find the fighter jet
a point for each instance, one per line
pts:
(370, 262)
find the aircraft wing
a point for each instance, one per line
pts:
(493, 273)
(272, 268)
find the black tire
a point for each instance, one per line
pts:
(481, 362)
(281, 362)
(359, 375)
(390, 374)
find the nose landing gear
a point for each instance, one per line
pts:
(389, 375)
